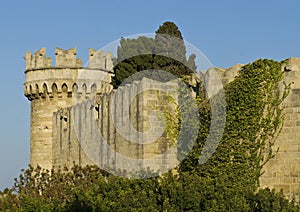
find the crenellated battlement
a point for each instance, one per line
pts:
(68, 75)
(37, 60)
(100, 59)
(67, 59)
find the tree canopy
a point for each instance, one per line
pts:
(165, 52)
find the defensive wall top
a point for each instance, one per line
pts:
(67, 59)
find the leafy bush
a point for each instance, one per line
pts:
(91, 189)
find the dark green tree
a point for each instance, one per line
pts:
(165, 52)
(91, 189)
(169, 42)
(129, 48)
(169, 28)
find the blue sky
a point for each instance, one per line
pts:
(228, 32)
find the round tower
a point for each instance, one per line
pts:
(50, 88)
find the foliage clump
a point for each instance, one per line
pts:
(165, 52)
(91, 189)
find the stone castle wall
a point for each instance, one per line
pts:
(113, 130)
(68, 99)
(283, 171)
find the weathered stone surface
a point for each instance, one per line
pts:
(100, 60)
(283, 171)
(118, 125)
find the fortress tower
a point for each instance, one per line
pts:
(50, 88)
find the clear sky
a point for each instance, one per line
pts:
(228, 32)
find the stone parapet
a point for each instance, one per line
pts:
(67, 59)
